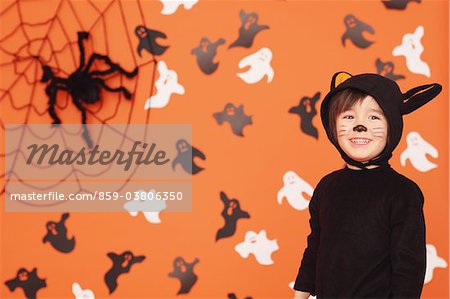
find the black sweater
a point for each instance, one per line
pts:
(367, 236)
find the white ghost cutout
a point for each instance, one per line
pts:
(416, 151)
(258, 245)
(433, 261)
(291, 285)
(171, 6)
(146, 203)
(166, 85)
(412, 48)
(259, 63)
(79, 293)
(293, 188)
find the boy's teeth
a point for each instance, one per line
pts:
(360, 141)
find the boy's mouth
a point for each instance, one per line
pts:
(360, 141)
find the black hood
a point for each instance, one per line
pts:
(388, 95)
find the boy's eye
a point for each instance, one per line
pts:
(350, 116)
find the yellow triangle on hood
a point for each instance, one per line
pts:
(341, 77)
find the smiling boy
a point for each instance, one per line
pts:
(360, 142)
(367, 224)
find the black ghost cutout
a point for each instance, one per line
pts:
(185, 273)
(147, 40)
(248, 30)
(205, 54)
(354, 31)
(57, 235)
(185, 156)
(29, 282)
(306, 110)
(121, 264)
(387, 70)
(398, 4)
(83, 85)
(231, 213)
(235, 116)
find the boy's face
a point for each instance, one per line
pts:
(362, 130)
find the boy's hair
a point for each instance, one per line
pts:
(343, 101)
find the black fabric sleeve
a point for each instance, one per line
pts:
(408, 243)
(306, 276)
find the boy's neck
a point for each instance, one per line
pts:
(357, 168)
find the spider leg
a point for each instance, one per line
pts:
(51, 90)
(102, 73)
(82, 36)
(114, 66)
(122, 89)
(85, 135)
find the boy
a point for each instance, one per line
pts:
(367, 235)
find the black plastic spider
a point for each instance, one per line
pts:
(83, 85)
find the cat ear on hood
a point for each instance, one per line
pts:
(419, 96)
(338, 78)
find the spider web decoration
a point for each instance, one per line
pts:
(31, 38)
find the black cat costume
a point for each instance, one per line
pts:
(368, 231)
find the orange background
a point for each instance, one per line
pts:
(305, 39)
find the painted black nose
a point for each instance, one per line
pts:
(360, 128)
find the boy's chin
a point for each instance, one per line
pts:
(362, 159)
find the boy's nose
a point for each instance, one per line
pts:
(360, 128)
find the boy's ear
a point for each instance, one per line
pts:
(419, 96)
(338, 78)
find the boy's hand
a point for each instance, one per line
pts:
(301, 295)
